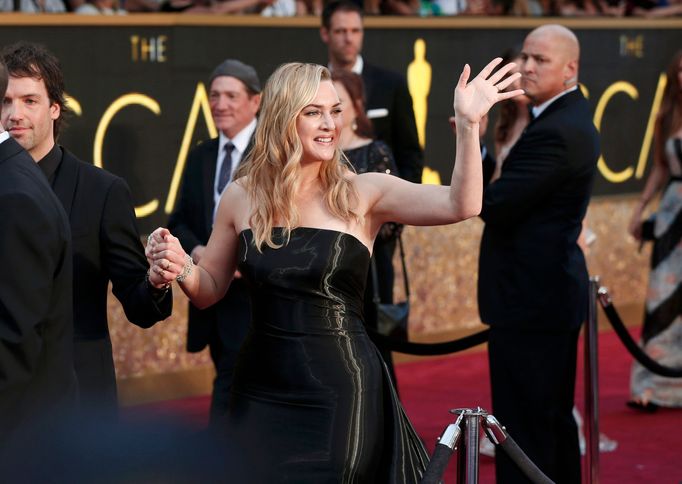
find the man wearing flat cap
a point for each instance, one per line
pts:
(234, 98)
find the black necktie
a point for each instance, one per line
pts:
(225, 168)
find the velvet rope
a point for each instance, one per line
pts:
(632, 347)
(527, 466)
(428, 349)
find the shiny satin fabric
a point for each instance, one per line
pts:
(312, 401)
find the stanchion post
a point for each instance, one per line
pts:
(467, 451)
(473, 432)
(591, 421)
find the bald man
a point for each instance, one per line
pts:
(533, 282)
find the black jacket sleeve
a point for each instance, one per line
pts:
(408, 153)
(537, 170)
(124, 260)
(29, 261)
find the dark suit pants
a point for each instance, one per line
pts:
(532, 376)
(94, 365)
(233, 315)
(383, 257)
(224, 360)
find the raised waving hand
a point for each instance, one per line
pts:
(473, 99)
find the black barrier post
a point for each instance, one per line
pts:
(591, 424)
(469, 422)
(473, 431)
(467, 457)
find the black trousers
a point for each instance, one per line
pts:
(224, 360)
(532, 376)
(383, 258)
(233, 316)
(94, 365)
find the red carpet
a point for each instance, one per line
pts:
(649, 445)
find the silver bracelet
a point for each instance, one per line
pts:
(186, 269)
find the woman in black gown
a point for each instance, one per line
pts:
(311, 401)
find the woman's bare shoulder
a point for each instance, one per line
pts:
(234, 204)
(235, 191)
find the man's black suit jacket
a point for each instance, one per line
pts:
(192, 223)
(532, 273)
(37, 381)
(106, 247)
(388, 90)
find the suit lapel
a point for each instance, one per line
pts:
(208, 167)
(556, 105)
(559, 103)
(248, 149)
(368, 81)
(66, 180)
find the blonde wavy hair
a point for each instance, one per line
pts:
(271, 172)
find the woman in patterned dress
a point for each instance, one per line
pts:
(662, 329)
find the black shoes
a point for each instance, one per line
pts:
(646, 407)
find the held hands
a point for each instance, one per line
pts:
(166, 257)
(474, 99)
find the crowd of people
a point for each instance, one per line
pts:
(275, 228)
(423, 8)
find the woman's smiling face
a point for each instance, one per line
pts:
(319, 124)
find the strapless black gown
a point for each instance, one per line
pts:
(311, 399)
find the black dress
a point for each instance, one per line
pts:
(312, 401)
(377, 157)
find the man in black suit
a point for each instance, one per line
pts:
(387, 98)
(234, 98)
(106, 242)
(533, 281)
(37, 381)
(389, 105)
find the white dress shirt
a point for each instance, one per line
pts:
(537, 110)
(240, 143)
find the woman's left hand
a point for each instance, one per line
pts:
(474, 99)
